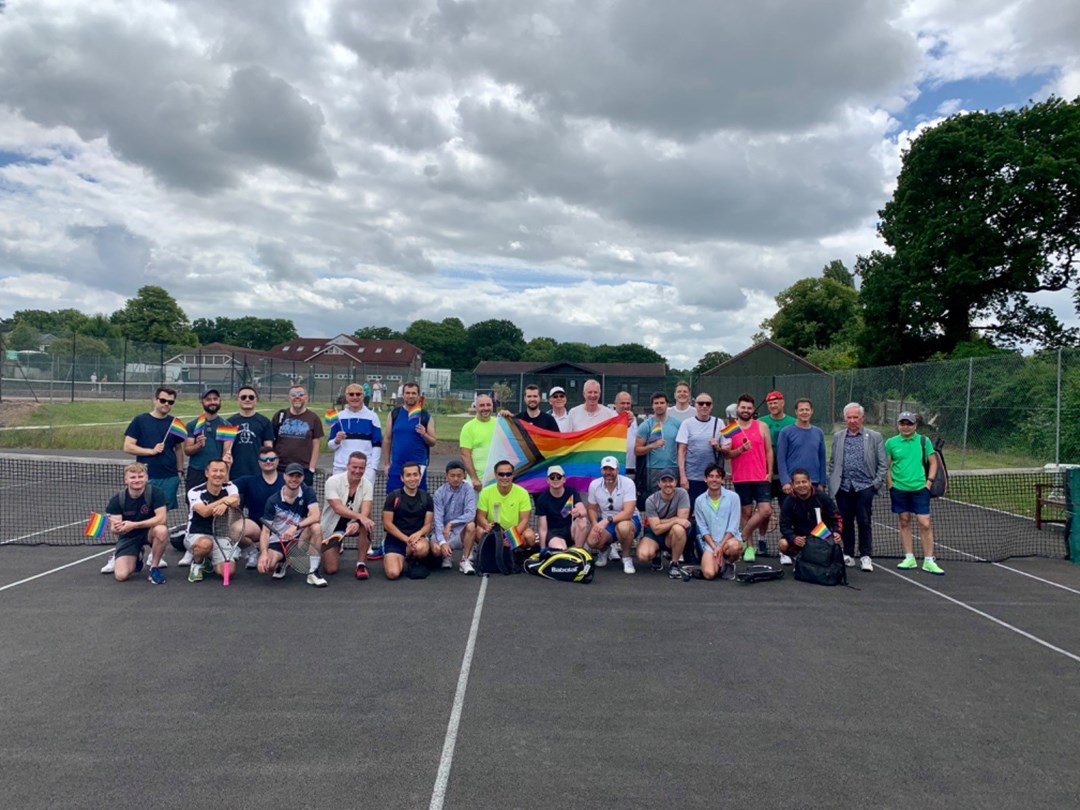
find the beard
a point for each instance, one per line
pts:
(212, 407)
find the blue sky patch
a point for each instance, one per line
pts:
(988, 93)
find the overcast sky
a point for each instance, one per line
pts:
(626, 170)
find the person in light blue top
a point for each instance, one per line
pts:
(716, 513)
(658, 445)
(801, 446)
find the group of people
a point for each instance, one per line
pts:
(266, 466)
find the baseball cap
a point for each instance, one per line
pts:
(667, 474)
(208, 392)
(773, 395)
(555, 468)
(558, 389)
(295, 468)
(907, 416)
(608, 461)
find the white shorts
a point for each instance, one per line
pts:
(217, 557)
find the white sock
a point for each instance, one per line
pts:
(314, 562)
(931, 559)
(910, 556)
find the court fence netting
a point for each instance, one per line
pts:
(986, 516)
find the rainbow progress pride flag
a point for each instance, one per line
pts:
(731, 432)
(532, 450)
(178, 429)
(96, 526)
(227, 433)
(513, 537)
(821, 531)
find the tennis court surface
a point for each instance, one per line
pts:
(912, 691)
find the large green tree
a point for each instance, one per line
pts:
(445, 344)
(541, 350)
(710, 360)
(986, 213)
(815, 313)
(626, 353)
(495, 339)
(249, 331)
(55, 322)
(377, 333)
(153, 316)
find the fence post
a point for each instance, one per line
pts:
(903, 380)
(123, 377)
(1057, 416)
(967, 413)
(74, 334)
(161, 364)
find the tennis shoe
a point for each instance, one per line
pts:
(314, 579)
(280, 571)
(675, 571)
(361, 571)
(849, 561)
(447, 562)
(785, 559)
(601, 559)
(252, 558)
(762, 547)
(138, 563)
(865, 563)
(628, 566)
(185, 560)
(466, 567)
(110, 565)
(195, 574)
(613, 552)
(658, 562)
(908, 563)
(156, 576)
(930, 566)
(375, 554)
(727, 571)
(749, 555)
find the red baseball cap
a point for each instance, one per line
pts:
(769, 397)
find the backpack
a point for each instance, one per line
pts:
(564, 565)
(940, 485)
(494, 555)
(821, 562)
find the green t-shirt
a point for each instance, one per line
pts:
(776, 425)
(906, 460)
(511, 505)
(476, 436)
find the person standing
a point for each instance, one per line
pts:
(557, 401)
(625, 405)
(357, 429)
(408, 438)
(590, 412)
(254, 435)
(376, 395)
(912, 466)
(657, 440)
(475, 441)
(201, 446)
(297, 432)
(683, 408)
(776, 421)
(801, 446)
(532, 413)
(751, 460)
(857, 468)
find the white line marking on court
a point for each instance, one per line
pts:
(442, 778)
(978, 612)
(54, 570)
(44, 531)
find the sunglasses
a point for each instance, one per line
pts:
(504, 475)
(703, 403)
(610, 502)
(243, 397)
(267, 458)
(353, 394)
(164, 401)
(295, 394)
(555, 477)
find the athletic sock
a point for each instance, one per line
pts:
(930, 558)
(314, 563)
(911, 557)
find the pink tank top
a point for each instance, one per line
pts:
(750, 466)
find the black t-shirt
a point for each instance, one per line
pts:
(547, 505)
(543, 420)
(410, 511)
(253, 431)
(279, 514)
(147, 430)
(255, 492)
(197, 524)
(136, 509)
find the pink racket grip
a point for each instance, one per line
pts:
(225, 573)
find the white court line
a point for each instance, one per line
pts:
(438, 795)
(54, 570)
(43, 531)
(978, 612)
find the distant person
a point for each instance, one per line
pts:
(349, 497)
(357, 429)
(475, 441)
(857, 469)
(801, 446)
(751, 455)
(800, 514)
(683, 408)
(297, 433)
(376, 395)
(408, 517)
(590, 412)
(909, 489)
(557, 401)
(254, 434)
(201, 446)
(136, 515)
(717, 514)
(455, 518)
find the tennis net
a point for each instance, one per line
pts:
(986, 516)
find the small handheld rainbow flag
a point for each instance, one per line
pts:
(416, 410)
(96, 526)
(200, 425)
(513, 537)
(821, 531)
(178, 429)
(227, 433)
(656, 432)
(330, 417)
(567, 507)
(731, 431)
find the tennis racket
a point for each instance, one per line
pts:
(227, 532)
(298, 552)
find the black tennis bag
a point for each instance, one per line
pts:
(494, 556)
(757, 572)
(565, 565)
(821, 562)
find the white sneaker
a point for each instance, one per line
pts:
(447, 562)
(785, 559)
(252, 558)
(281, 570)
(613, 552)
(865, 563)
(185, 561)
(466, 567)
(628, 565)
(849, 561)
(601, 558)
(316, 580)
(110, 565)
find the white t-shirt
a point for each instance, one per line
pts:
(337, 487)
(611, 503)
(581, 418)
(695, 434)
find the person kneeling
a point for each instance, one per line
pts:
(717, 512)
(408, 517)
(667, 520)
(136, 515)
(291, 514)
(801, 513)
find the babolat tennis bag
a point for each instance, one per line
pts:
(821, 562)
(565, 565)
(494, 555)
(757, 572)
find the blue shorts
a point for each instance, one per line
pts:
(610, 529)
(917, 502)
(751, 491)
(168, 486)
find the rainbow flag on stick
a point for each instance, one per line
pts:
(227, 433)
(532, 450)
(656, 432)
(330, 417)
(200, 425)
(731, 432)
(513, 537)
(96, 526)
(416, 410)
(821, 531)
(567, 507)
(178, 429)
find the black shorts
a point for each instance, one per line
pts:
(751, 491)
(130, 545)
(659, 539)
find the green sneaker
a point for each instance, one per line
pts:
(908, 563)
(749, 555)
(195, 573)
(931, 567)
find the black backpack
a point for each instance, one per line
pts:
(821, 562)
(940, 485)
(494, 555)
